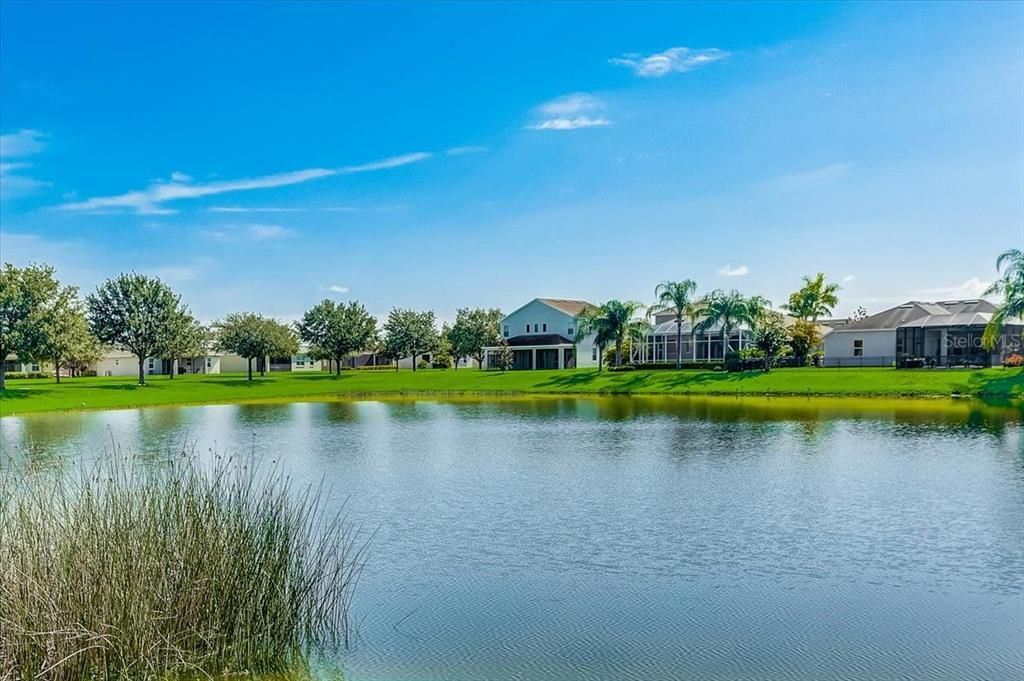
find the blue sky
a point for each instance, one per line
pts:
(263, 157)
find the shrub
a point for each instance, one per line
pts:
(422, 364)
(27, 374)
(141, 569)
(733, 361)
(624, 367)
(1014, 360)
(687, 366)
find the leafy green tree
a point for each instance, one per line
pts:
(135, 312)
(677, 297)
(505, 358)
(804, 337)
(474, 329)
(408, 333)
(443, 356)
(612, 323)
(1011, 285)
(188, 338)
(336, 330)
(816, 298)
(27, 297)
(66, 338)
(254, 336)
(729, 310)
(770, 337)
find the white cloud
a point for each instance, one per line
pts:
(805, 179)
(256, 209)
(972, 288)
(338, 289)
(848, 278)
(178, 273)
(571, 112)
(730, 271)
(460, 151)
(16, 145)
(150, 200)
(21, 143)
(672, 60)
(249, 232)
(178, 176)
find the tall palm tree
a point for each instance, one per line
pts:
(729, 310)
(676, 297)
(1010, 284)
(611, 323)
(815, 298)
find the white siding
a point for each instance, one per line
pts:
(839, 345)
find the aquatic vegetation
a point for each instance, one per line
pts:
(136, 570)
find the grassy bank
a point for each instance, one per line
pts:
(143, 571)
(36, 395)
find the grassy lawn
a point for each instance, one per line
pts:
(34, 395)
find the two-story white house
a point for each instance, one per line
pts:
(541, 335)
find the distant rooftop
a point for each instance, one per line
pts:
(567, 305)
(974, 312)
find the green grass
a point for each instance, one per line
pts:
(139, 570)
(36, 395)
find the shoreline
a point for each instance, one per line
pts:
(27, 396)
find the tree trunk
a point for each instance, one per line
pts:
(250, 368)
(3, 371)
(679, 343)
(456, 364)
(725, 342)
(337, 366)
(618, 352)
(263, 366)
(600, 357)
(767, 363)
(142, 374)
(56, 369)
(173, 369)
(414, 361)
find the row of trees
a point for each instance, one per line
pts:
(41, 320)
(616, 322)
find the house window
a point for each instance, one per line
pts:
(570, 332)
(593, 353)
(545, 328)
(152, 363)
(858, 348)
(504, 331)
(35, 368)
(527, 328)
(535, 328)
(209, 363)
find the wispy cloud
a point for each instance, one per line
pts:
(304, 209)
(254, 209)
(178, 273)
(805, 179)
(730, 271)
(571, 112)
(14, 183)
(21, 143)
(972, 288)
(848, 278)
(338, 289)
(249, 232)
(461, 151)
(672, 60)
(151, 199)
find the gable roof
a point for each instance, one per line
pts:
(567, 305)
(917, 313)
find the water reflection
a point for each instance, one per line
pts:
(646, 537)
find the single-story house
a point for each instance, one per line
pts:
(541, 335)
(946, 333)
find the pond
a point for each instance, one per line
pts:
(645, 538)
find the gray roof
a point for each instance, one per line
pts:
(916, 313)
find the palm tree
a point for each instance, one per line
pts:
(611, 323)
(676, 297)
(729, 310)
(1011, 285)
(815, 298)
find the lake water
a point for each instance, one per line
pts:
(646, 538)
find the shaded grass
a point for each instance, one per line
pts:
(135, 570)
(33, 395)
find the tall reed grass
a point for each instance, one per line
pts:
(136, 570)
